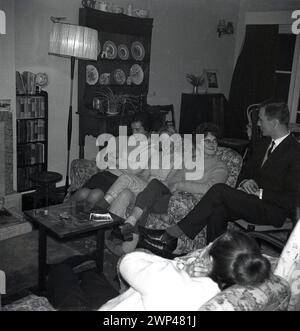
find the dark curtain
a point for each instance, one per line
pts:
(253, 78)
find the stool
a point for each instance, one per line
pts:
(45, 186)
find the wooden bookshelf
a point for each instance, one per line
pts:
(32, 138)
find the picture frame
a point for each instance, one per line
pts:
(212, 80)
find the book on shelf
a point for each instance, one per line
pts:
(20, 83)
(25, 174)
(31, 131)
(30, 154)
(30, 107)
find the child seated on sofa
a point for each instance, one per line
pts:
(160, 284)
(96, 187)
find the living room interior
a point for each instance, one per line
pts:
(187, 37)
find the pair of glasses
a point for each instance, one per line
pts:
(210, 141)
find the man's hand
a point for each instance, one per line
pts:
(250, 186)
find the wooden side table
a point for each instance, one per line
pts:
(51, 224)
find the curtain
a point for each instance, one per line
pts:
(253, 79)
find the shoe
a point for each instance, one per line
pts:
(159, 239)
(124, 232)
(161, 236)
(158, 248)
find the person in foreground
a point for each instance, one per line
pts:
(266, 194)
(156, 283)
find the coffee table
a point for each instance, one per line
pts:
(64, 222)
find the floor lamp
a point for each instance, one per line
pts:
(75, 42)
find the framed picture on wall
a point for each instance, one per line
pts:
(212, 79)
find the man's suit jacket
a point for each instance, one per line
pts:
(279, 177)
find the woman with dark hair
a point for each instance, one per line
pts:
(237, 259)
(160, 284)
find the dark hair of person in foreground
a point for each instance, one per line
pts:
(237, 259)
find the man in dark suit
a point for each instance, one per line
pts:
(266, 193)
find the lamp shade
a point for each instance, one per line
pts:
(74, 40)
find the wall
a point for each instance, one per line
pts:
(184, 41)
(7, 64)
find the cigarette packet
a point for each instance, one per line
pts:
(100, 217)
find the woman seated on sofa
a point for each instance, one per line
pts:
(160, 284)
(96, 187)
(156, 196)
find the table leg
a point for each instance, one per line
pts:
(42, 258)
(100, 249)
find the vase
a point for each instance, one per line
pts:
(195, 89)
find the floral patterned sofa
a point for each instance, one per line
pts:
(180, 203)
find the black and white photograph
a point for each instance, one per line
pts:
(149, 158)
(211, 77)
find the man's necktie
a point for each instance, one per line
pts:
(270, 149)
(269, 152)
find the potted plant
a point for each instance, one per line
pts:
(115, 103)
(196, 81)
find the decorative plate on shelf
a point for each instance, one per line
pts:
(110, 50)
(136, 74)
(119, 76)
(137, 51)
(104, 78)
(123, 52)
(92, 74)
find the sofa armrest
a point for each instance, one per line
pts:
(233, 161)
(272, 295)
(81, 170)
